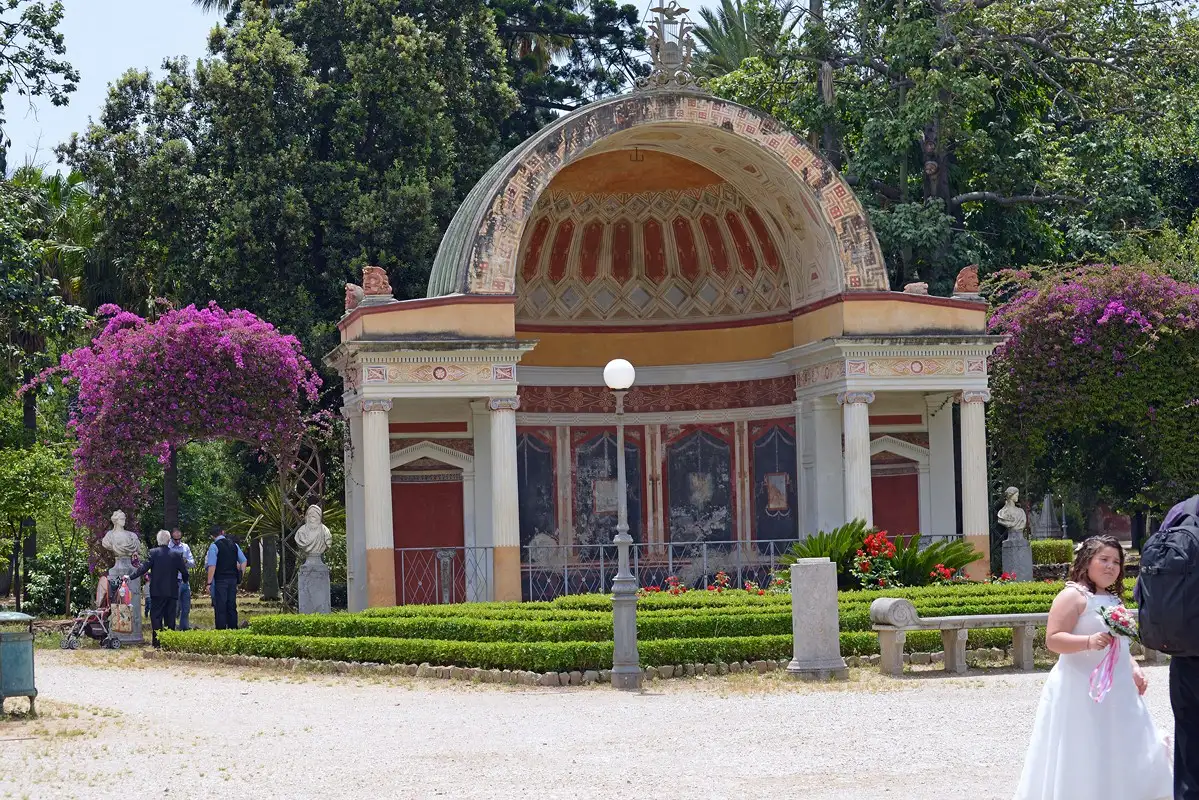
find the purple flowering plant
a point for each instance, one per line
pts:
(1089, 352)
(193, 374)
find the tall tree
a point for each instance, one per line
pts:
(996, 132)
(31, 57)
(317, 137)
(738, 30)
(564, 53)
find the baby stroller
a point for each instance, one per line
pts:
(95, 623)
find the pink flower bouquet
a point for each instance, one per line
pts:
(1120, 622)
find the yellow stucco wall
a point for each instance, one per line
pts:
(657, 348)
(884, 316)
(466, 318)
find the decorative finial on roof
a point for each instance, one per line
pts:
(670, 48)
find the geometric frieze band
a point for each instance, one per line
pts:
(441, 373)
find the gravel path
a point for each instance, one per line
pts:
(117, 725)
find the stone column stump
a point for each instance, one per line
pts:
(314, 587)
(814, 621)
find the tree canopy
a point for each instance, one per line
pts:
(1097, 384)
(998, 132)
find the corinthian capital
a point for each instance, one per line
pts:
(376, 405)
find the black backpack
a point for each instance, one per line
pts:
(1169, 590)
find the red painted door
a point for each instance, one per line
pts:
(428, 529)
(896, 504)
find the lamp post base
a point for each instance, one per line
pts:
(627, 678)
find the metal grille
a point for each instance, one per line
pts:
(299, 487)
(436, 575)
(557, 570)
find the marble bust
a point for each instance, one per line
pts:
(121, 542)
(313, 538)
(1011, 516)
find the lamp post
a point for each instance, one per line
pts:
(626, 664)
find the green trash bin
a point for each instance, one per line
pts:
(16, 659)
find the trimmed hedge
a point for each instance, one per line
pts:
(533, 656)
(536, 656)
(1052, 551)
(649, 627)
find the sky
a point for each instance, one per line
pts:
(103, 39)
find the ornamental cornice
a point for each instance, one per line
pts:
(425, 371)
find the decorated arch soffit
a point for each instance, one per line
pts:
(827, 243)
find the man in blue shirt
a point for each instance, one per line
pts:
(185, 589)
(226, 563)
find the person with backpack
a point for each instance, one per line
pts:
(1167, 592)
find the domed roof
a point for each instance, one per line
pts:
(601, 246)
(659, 205)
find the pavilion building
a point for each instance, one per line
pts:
(782, 387)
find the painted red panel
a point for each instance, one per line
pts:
(684, 245)
(427, 427)
(769, 254)
(622, 250)
(896, 503)
(715, 242)
(427, 515)
(896, 419)
(533, 252)
(589, 255)
(745, 248)
(655, 250)
(560, 252)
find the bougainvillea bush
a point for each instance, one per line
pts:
(192, 374)
(1098, 382)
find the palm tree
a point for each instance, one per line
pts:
(62, 218)
(741, 30)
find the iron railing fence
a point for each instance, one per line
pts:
(435, 575)
(438, 575)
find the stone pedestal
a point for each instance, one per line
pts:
(1017, 558)
(814, 621)
(314, 587)
(137, 603)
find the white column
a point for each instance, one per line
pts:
(859, 502)
(943, 513)
(380, 541)
(505, 515)
(355, 511)
(481, 431)
(976, 525)
(822, 442)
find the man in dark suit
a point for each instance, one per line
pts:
(166, 569)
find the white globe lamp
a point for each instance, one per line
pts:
(619, 375)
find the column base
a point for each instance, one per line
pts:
(506, 569)
(830, 669)
(627, 678)
(380, 577)
(979, 569)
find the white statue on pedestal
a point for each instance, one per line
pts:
(122, 543)
(1011, 516)
(313, 538)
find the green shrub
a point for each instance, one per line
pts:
(1052, 551)
(838, 545)
(914, 565)
(47, 590)
(534, 656)
(649, 626)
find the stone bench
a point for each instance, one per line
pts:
(893, 617)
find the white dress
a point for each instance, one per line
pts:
(1084, 749)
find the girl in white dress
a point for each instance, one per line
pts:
(1081, 748)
